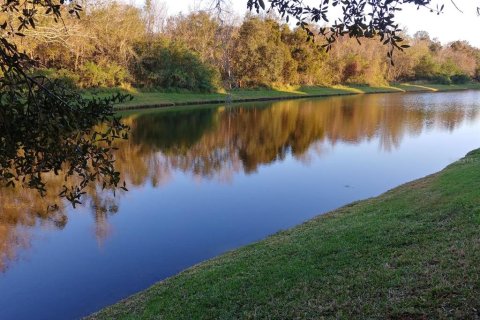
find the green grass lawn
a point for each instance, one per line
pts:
(411, 253)
(158, 98)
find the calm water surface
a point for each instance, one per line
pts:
(209, 179)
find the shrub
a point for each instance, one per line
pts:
(66, 77)
(460, 78)
(427, 68)
(102, 75)
(477, 74)
(442, 79)
(351, 70)
(170, 65)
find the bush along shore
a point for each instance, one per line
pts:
(229, 52)
(156, 99)
(411, 253)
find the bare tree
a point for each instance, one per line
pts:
(155, 15)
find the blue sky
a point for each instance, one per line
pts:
(437, 26)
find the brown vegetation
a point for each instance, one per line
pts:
(203, 52)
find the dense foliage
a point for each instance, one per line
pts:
(44, 125)
(166, 64)
(201, 51)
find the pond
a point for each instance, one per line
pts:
(205, 180)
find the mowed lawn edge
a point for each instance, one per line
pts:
(157, 99)
(411, 253)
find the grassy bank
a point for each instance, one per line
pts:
(164, 99)
(411, 253)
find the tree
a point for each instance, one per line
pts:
(208, 36)
(260, 56)
(155, 16)
(359, 18)
(311, 60)
(44, 126)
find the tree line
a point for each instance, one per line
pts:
(116, 44)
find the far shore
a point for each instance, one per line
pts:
(158, 99)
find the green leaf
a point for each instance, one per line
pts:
(262, 4)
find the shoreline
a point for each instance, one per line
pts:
(272, 95)
(398, 255)
(220, 101)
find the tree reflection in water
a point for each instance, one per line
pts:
(217, 142)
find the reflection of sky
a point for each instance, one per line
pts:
(161, 231)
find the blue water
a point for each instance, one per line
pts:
(206, 180)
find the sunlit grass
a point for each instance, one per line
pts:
(289, 89)
(394, 88)
(420, 87)
(163, 99)
(351, 89)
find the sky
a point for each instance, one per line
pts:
(449, 26)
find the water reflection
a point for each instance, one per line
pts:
(217, 142)
(22, 210)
